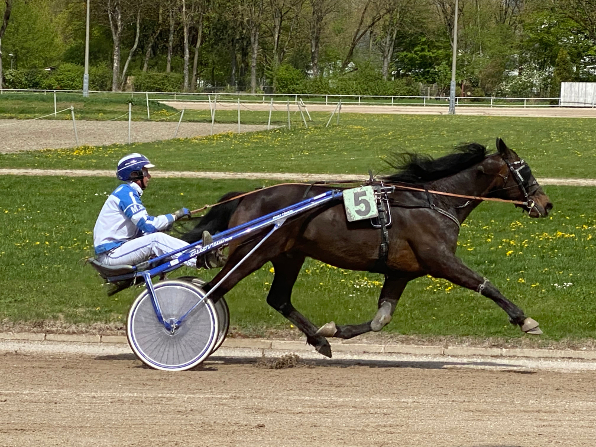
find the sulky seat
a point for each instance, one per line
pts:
(110, 271)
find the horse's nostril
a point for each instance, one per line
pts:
(548, 207)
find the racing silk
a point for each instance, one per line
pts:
(123, 217)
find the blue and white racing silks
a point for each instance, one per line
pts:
(123, 217)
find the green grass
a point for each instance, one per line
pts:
(107, 106)
(554, 147)
(543, 265)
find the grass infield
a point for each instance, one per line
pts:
(543, 265)
(554, 147)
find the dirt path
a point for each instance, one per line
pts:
(21, 135)
(296, 177)
(111, 399)
(443, 109)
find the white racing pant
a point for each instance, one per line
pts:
(141, 249)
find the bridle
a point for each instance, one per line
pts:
(521, 173)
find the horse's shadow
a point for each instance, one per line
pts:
(213, 361)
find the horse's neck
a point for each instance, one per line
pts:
(466, 183)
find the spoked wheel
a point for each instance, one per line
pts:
(184, 347)
(221, 308)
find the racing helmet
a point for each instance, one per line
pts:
(130, 168)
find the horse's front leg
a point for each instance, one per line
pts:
(446, 265)
(287, 267)
(390, 295)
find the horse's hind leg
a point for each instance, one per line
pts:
(287, 266)
(390, 295)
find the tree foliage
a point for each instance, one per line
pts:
(504, 47)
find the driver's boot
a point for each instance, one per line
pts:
(214, 258)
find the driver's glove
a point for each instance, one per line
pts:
(182, 212)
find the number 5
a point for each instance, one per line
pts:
(361, 199)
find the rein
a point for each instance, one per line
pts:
(461, 196)
(395, 185)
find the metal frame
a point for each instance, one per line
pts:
(165, 263)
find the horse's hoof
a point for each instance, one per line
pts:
(530, 326)
(327, 330)
(324, 349)
(382, 318)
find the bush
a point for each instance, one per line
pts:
(149, 81)
(477, 94)
(100, 78)
(288, 79)
(65, 77)
(25, 79)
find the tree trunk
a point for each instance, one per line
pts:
(152, 40)
(388, 50)
(361, 32)
(254, 42)
(233, 63)
(315, 41)
(1, 73)
(195, 63)
(115, 16)
(277, 22)
(186, 19)
(132, 50)
(170, 41)
(5, 20)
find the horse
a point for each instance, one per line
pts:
(430, 199)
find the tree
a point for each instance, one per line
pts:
(371, 13)
(319, 13)
(563, 72)
(252, 11)
(401, 14)
(5, 19)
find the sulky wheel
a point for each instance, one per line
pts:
(221, 308)
(179, 349)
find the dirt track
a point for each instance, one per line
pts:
(433, 108)
(107, 400)
(20, 135)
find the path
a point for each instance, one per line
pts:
(281, 176)
(108, 398)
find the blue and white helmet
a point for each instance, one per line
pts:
(131, 167)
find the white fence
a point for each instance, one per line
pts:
(443, 101)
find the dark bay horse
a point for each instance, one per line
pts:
(421, 240)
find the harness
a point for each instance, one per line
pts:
(518, 169)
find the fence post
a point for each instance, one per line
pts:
(302, 114)
(339, 111)
(305, 109)
(332, 113)
(213, 114)
(55, 109)
(74, 124)
(179, 121)
(147, 96)
(238, 115)
(270, 110)
(129, 119)
(288, 114)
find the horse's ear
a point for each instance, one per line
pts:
(502, 147)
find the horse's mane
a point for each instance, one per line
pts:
(417, 168)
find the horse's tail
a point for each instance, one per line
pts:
(217, 219)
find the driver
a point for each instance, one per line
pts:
(125, 233)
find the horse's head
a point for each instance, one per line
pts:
(514, 181)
